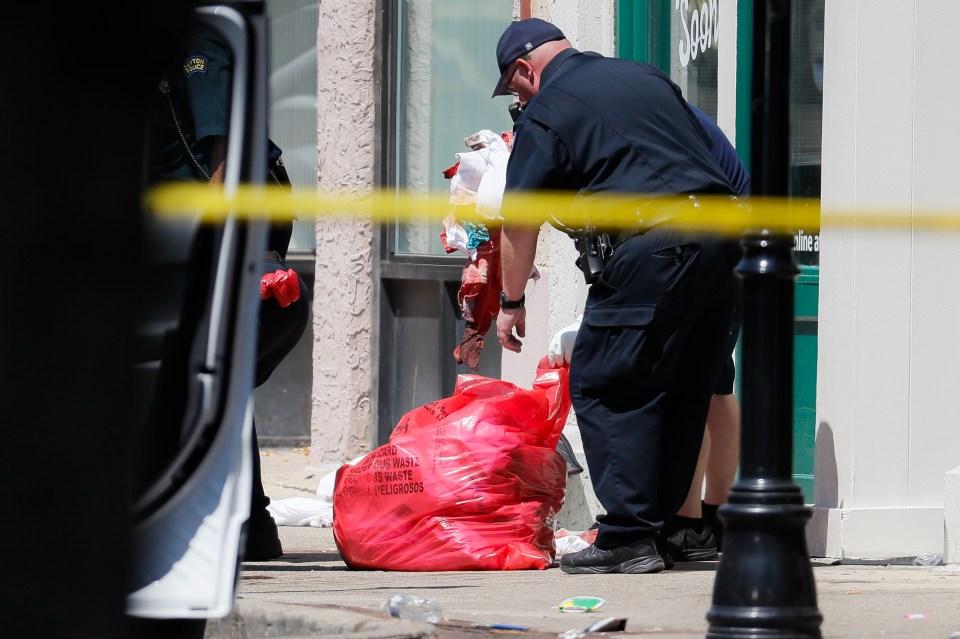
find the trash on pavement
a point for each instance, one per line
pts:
(928, 559)
(607, 624)
(568, 542)
(581, 604)
(508, 627)
(500, 627)
(414, 608)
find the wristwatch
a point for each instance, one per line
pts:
(505, 303)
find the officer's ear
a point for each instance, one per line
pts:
(525, 63)
(525, 69)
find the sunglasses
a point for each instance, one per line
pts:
(509, 84)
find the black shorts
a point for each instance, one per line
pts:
(728, 369)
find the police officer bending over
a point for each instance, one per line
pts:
(658, 313)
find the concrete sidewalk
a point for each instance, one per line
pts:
(310, 592)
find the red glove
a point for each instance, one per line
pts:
(284, 286)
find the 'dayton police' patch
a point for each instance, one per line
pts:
(194, 64)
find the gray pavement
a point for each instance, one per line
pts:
(309, 592)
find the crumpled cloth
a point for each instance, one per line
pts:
(479, 299)
(465, 237)
(479, 295)
(308, 511)
(301, 511)
(567, 541)
(477, 180)
(481, 174)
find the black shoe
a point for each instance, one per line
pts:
(664, 554)
(711, 521)
(686, 544)
(263, 540)
(715, 529)
(637, 558)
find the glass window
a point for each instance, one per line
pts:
(694, 45)
(293, 101)
(684, 41)
(447, 61)
(806, 116)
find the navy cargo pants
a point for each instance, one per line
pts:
(642, 371)
(278, 331)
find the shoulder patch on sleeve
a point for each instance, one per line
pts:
(194, 64)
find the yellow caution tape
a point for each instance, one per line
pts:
(717, 214)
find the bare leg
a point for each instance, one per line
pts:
(719, 456)
(686, 537)
(723, 426)
(695, 533)
(691, 507)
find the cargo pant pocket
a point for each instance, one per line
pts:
(611, 347)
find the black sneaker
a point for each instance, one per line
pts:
(710, 521)
(716, 529)
(664, 554)
(637, 558)
(686, 544)
(263, 540)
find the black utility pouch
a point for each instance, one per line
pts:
(595, 250)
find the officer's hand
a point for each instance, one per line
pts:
(561, 346)
(507, 320)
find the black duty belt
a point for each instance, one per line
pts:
(619, 236)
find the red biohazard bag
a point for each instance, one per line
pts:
(469, 482)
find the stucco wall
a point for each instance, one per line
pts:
(341, 422)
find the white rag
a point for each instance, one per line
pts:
(482, 174)
(307, 511)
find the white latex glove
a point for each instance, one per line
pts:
(561, 346)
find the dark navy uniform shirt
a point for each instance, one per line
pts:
(725, 155)
(602, 124)
(200, 84)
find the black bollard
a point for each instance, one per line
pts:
(764, 586)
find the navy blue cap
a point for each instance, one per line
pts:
(519, 39)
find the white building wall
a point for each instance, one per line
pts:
(887, 381)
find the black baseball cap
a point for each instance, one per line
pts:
(520, 38)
